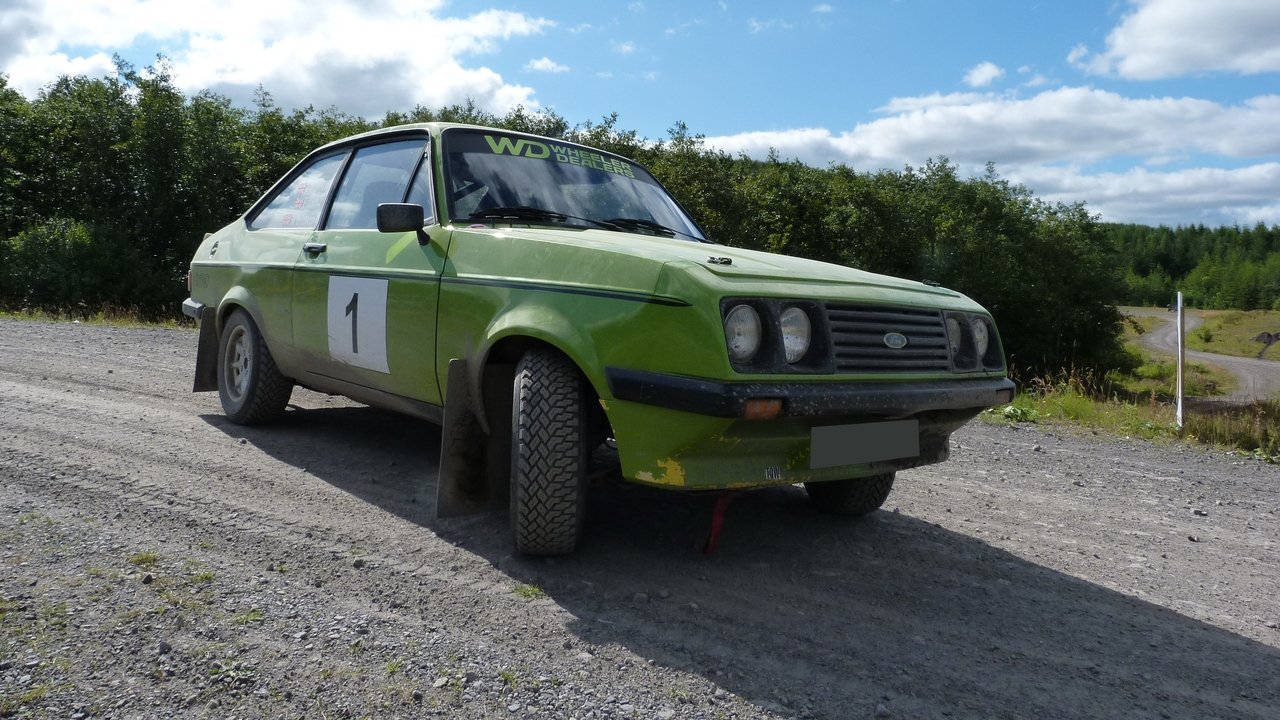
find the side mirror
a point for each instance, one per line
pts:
(402, 217)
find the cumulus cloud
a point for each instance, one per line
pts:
(364, 57)
(1079, 124)
(823, 8)
(1071, 133)
(1213, 196)
(624, 48)
(545, 64)
(1171, 38)
(983, 74)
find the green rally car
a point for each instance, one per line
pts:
(542, 300)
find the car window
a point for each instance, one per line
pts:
(377, 174)
(299, 204)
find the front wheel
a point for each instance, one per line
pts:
(548, 454)
(250, 386)
(853, 497)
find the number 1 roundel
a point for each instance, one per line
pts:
(357, 321)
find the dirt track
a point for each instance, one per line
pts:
(298, 572)
(1257, 379)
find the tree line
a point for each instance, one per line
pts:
(108, 184)
(1214, 268)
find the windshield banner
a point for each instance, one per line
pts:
(524, 147)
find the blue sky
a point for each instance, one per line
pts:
(1154, 111)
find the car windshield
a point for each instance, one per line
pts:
(492, 175)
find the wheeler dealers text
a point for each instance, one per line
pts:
(571, 155)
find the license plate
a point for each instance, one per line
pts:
(833, 445)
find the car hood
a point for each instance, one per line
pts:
(662, 265)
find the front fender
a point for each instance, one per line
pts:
(511, 333)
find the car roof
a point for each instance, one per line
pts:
(434, 128)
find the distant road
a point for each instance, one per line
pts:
(1256, 379)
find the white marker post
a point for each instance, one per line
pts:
(1182, 358)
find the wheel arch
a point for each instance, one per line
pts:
(514, 334)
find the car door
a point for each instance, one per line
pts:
(267, 253)
(364, 302)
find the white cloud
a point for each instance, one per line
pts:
(1033, 78)
(545, 64)
(759, 26)
(1172, 38)
(823, 8)
(1213, 196)
(624, 48)
(1080, 124)
(303, 52)
(1062, 143)
(682, 28)
(983, 74)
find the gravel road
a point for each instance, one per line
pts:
(1257, 379)
(159, 562)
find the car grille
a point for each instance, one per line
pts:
(858, 339)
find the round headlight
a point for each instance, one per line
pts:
(953, 335)
(981, 337)
(742, 332)
(796, 333)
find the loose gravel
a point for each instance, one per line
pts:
(160, 562)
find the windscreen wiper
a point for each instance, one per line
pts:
(525, 212)
(651, 226)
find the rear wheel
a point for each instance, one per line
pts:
(853, 497)
(548, 454)
(250, 386)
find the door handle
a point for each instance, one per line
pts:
(314, 248)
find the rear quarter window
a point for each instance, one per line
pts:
(300, 203)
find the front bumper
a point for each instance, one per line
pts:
(807, 399)
(696, 434)
(191, 308)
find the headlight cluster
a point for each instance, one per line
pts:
(973, 343)
(773, 335)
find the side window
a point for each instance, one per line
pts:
(301, 202)
(377, 174)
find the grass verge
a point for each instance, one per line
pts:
(1077, 399)
(111, 317)
(1233, 332)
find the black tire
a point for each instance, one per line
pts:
(250, 386)
(548, 454)
(854, 497)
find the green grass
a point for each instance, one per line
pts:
(1232, 332)
(112, 317)
(528, 592)
(145, 559)
(1254, 428)
(256, 615)
(1076, 400)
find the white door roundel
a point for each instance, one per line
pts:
(357, 321)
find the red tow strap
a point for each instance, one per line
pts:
(717, 522)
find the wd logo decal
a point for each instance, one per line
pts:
(503, 145)
(527, 148)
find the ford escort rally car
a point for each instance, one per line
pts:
(542, 301)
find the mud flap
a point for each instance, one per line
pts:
(475, 466)
(207, 352)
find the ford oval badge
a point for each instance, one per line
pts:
(894, 340)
